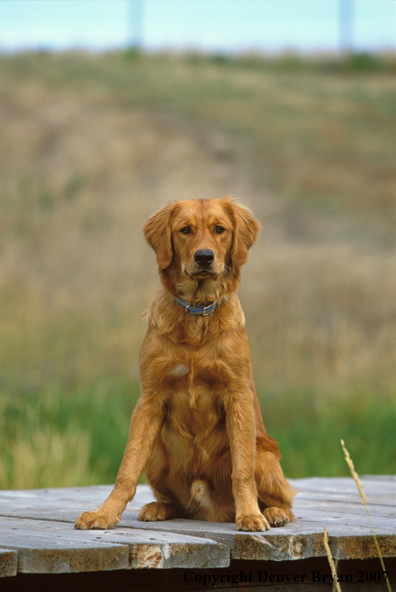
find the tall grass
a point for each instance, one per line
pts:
(309, 425)
(359, 485)
(93, 144)
(62, 436)
(333, 566)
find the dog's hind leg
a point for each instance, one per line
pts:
(167, 505)
(199, 506)
(160, 511)
(274, 492)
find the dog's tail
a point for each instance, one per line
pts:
(200, 493)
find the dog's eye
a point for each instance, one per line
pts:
(185, 230)
(219, 229)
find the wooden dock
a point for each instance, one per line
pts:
(39, 546)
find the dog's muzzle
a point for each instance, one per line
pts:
(204, 257)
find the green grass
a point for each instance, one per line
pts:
(59, 437)
(94, 144)
(309, 428)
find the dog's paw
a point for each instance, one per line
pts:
(98, 519)
(252, 523)
(276, 516)
(157, 511)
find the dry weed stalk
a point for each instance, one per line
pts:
(355, 476)
(331, 562)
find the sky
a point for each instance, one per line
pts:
(207, 25)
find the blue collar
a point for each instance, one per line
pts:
(199, 311)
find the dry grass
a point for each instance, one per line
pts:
(333, 566)
(336, 586)
(90, 146)
(359, 485)
(38, 455)
(93, 145)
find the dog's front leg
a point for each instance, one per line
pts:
(241, 432)
(146, 424)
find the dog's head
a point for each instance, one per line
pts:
(201, 239)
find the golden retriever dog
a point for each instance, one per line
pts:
(197, 429)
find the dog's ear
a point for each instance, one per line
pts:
(157, 231)
(246, 228)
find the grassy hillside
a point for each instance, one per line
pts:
(91, 145)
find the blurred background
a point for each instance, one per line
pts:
(108, 110)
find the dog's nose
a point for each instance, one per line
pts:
(204, 256)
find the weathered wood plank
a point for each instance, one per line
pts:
(37, 541)
(372, 483)
(347, 545)
(343, 507)
(299, 540)
(8, 563)
(43, 548)
(333, 503)
(376, 488)
(307, 515)
(381, 500)
(60, 503)
(335, 516)
(323, 483)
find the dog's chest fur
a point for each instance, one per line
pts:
(193, 361)
(194, 427)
